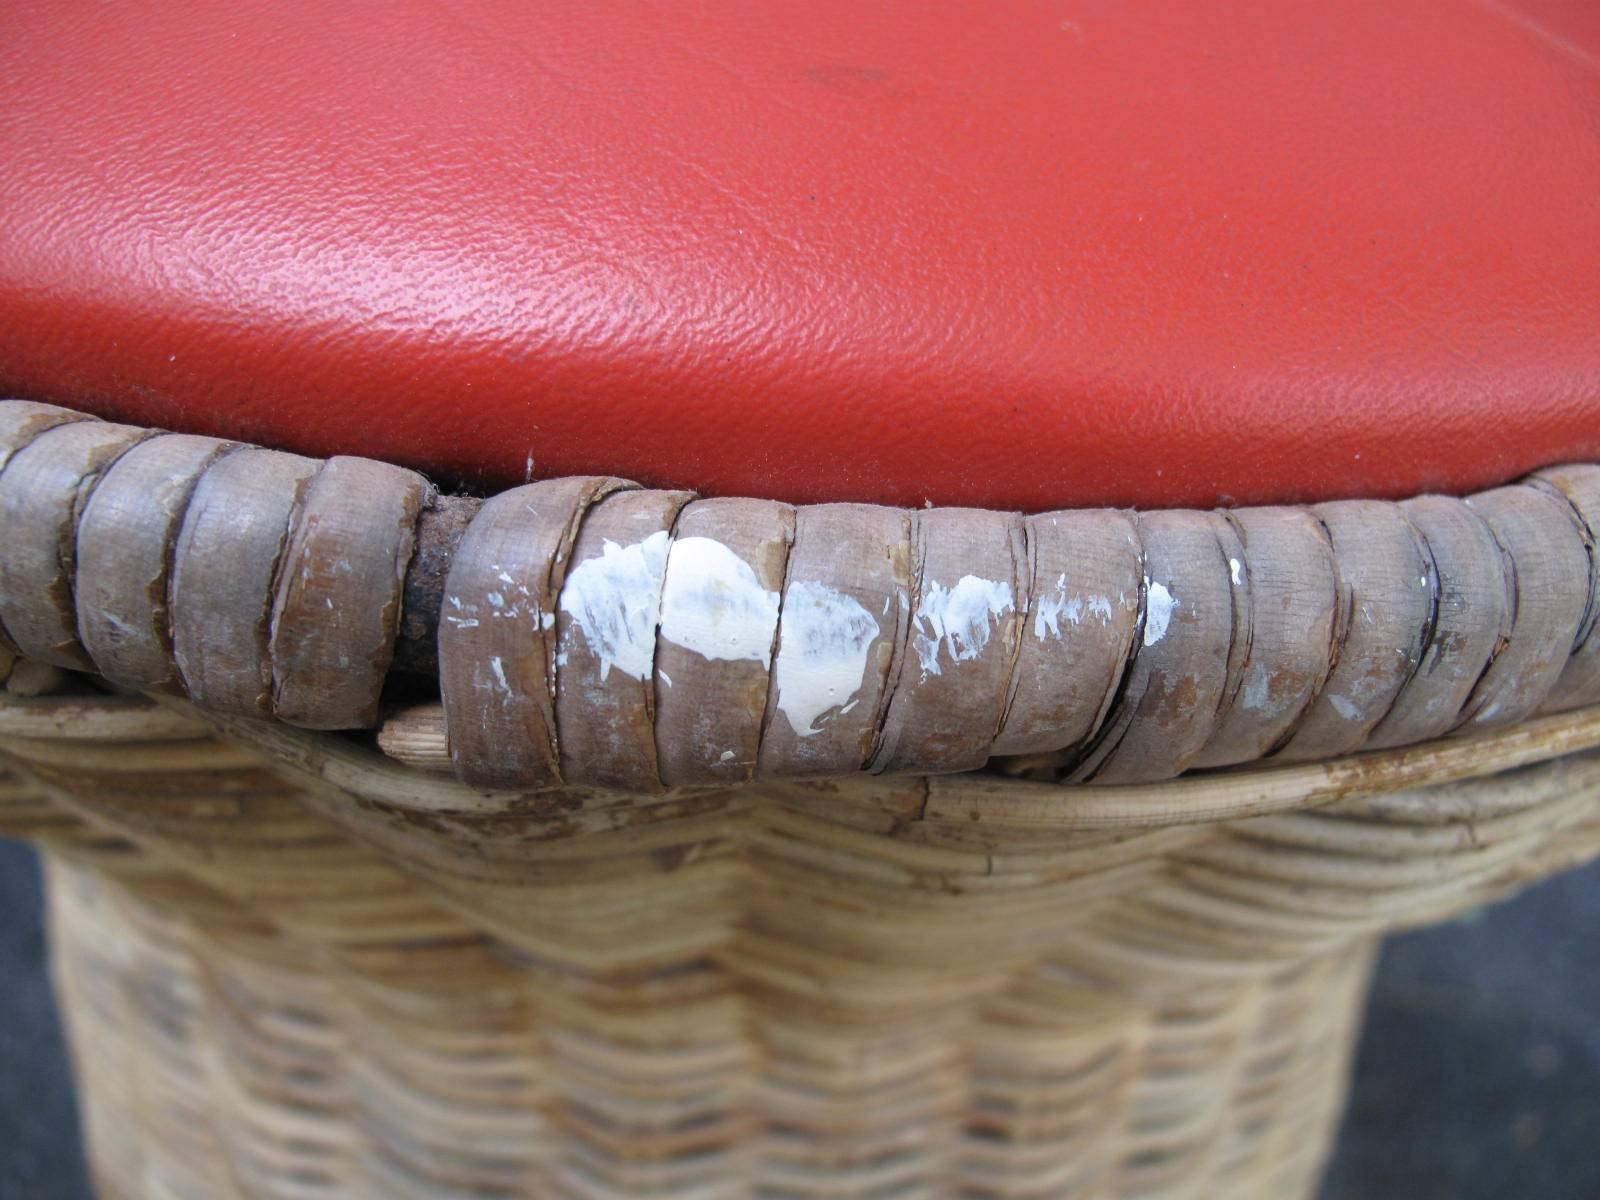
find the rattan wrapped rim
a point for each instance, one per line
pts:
(585, 633)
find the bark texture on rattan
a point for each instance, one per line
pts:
(293, 967)
(589, 633)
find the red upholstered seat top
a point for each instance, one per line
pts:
(1023, 254)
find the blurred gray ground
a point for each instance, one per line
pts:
(1478, 1076)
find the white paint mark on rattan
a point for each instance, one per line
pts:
(713, 604)
(1233, 571)
(958, 620)
(463, 621)
(615, 599)
(1159, 607)
(1051, 608)
(823, 647)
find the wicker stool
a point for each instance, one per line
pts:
(1114, 543)
(761, 942)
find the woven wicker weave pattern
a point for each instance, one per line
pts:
(248, 1074)
(796, 990)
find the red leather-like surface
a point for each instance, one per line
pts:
(1019, 254)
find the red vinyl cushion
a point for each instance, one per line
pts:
(1022, 254)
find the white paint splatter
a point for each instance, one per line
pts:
(1051, 608)
(713, 604)
(958, 620)
(615, 598)
(1233, 571)
(499, 670)
(727, 756)
(1159, 606)
(823, 645)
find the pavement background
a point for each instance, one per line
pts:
(1478, 1076)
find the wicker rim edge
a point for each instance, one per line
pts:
(587, 633)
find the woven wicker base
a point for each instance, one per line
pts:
(295, 969)
(236, 1065)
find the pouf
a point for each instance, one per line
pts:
(846, 601)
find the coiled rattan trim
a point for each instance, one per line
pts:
(590, 633)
